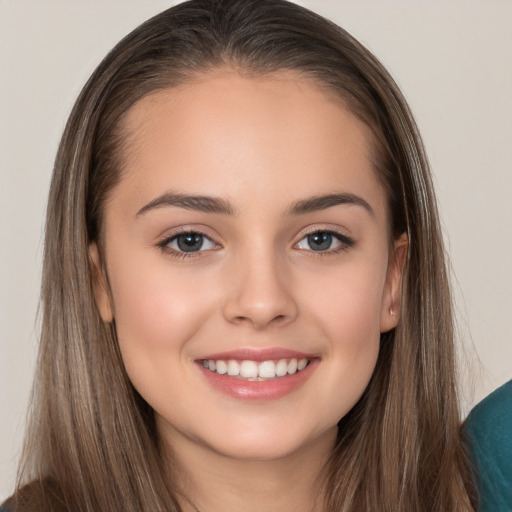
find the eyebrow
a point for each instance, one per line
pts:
(217, 205)
(317, 203)
(199, 203)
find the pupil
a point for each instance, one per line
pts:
(320, 241)
(190, 242)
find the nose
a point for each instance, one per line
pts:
(261, 293)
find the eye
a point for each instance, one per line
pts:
(188, 242)
(325, 241)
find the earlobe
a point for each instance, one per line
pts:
(391, 301)
(101, 289)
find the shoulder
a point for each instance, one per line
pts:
(7, 506)
(495, 407)
(488, 430)
(36, 496)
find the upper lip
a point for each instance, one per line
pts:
(250, 354)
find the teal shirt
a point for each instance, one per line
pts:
(489, 431)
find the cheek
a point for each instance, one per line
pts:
(348, 302)
(346, 307)
(156, 312)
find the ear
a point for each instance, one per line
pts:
(100, 286)
(390, 312)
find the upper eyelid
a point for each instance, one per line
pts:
(323, 229)
(325, 226)
(185, 231)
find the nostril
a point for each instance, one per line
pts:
(275, 320)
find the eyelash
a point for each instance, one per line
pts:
(344, 241)
(182, 255)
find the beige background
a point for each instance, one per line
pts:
(452, 58)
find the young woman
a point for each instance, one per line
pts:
(245, 301)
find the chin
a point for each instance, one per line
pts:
(272, 443)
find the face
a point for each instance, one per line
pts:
(249, 263)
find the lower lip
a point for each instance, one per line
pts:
(259, 390)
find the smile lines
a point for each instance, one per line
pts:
(252, 370)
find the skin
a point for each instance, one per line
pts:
(262, 145)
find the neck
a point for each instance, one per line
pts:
(213, 482)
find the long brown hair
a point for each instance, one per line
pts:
(91, 443)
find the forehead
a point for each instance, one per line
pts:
(223, 131)
(226, 98)
(284, 87)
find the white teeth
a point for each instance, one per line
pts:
(267, 369)
(248, 369)
(233, 368)
(252, 370)
(292, 366)
(281, 368)
(222, 367)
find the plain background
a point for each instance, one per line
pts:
(452, 59)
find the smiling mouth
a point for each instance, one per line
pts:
(256, 370)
